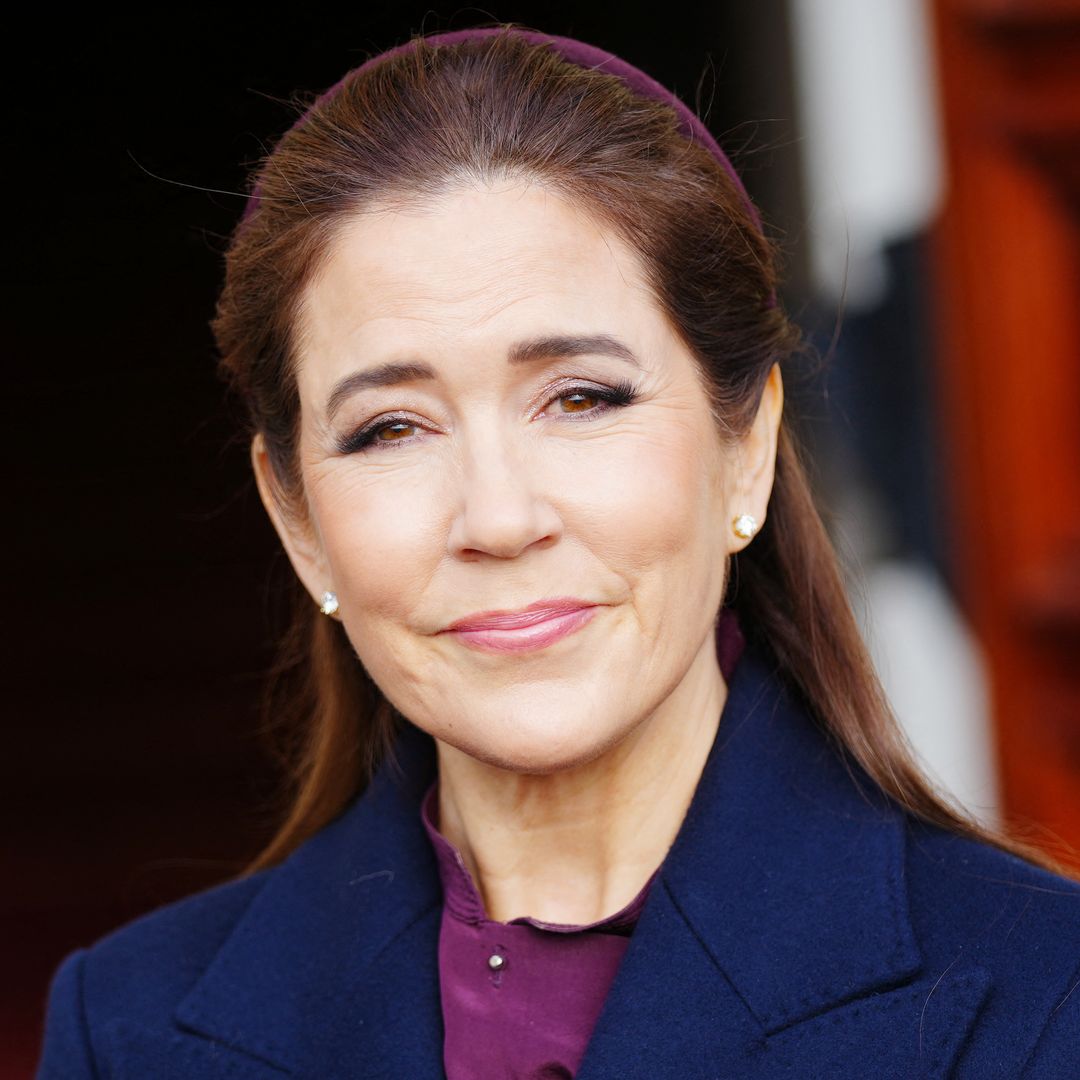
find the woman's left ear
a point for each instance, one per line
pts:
(756, 464)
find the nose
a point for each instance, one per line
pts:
(502, 508)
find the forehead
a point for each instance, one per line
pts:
(475, 268)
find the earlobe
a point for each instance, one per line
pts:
(300, 543)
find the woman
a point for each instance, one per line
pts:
(506, 325)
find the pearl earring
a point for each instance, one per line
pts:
(745, 525)
(329, 605)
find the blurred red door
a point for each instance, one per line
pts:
(1008, 298)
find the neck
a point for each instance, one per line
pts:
(576, 846)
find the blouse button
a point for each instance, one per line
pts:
(496, 962)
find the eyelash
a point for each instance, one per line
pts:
(620, 395)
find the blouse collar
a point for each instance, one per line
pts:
(463, 900)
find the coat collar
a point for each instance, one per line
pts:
(782, 896)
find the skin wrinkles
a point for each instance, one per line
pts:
(565, 772)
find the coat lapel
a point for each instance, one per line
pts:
(780, 908)
(779, 942)
(333, 969)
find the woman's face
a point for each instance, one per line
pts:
(489, 473)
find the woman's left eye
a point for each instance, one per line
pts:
(608, 397)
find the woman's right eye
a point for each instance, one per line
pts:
(368, 435)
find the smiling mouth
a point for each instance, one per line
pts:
(527, 638)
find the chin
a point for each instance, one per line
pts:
(536, 752)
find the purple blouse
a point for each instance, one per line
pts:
(520, 998)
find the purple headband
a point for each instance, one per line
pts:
(587, 56)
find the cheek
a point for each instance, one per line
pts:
(379, 534)
(658, 509)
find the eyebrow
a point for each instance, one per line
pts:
(523, 352)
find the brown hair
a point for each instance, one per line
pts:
(435, 115)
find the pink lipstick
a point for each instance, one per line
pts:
(534, 627)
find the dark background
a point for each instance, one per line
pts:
(147, 584)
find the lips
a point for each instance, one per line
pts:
(525, 630)
(539, 612)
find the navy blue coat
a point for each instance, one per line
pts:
(796, 930)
